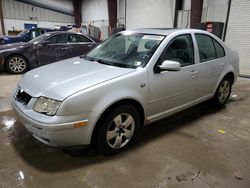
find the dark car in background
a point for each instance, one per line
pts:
(48, 48)
(25, 36)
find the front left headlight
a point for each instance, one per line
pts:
(47, 106)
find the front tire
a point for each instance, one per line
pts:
(118, 130)
(223, 92)
(16, 64)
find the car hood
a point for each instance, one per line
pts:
(11, 39)
(64, 78)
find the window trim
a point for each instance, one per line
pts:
(213, 39)
(156, 69)
(224, 52)
(57, 35)
(91, 41)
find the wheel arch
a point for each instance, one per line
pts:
(230, 74)
(127, 101)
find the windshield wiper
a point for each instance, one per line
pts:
(94, 59)
(106, 62)
(87, 58)
(102, 62)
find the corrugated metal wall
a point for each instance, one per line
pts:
(214, 13)
(17, 10)
(149, 13)
(95, 11)
(183, 19)
(17, 13)
(238, 32)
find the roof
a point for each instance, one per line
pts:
(160, 31)
(68, 32)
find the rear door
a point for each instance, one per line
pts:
(212, 60)
(80, 44)
(54, 49)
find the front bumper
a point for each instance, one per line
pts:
(58, 133)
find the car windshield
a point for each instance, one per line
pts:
(23, 32)
(129, 50)
(39, 38)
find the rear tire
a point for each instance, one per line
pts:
(223, 92)
(118, 130)
(16, 64)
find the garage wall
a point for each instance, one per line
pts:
(121, 11)
(212, 3)
(19, 24)
(214, 11)
(17, 13)
(95, 11)
(238, 32)
(149, 13)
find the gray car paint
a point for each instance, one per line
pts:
(87, 89)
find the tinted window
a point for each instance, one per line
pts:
(61, 38)
(43, 31)
(206, 47)
(219, 49)
(180, 49)
(78, 38)
(34, 33)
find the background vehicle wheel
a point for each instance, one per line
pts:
(118, 130)
(16, 64)
(223, 91)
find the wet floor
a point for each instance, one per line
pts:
(200, 147)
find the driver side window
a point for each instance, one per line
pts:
(58, 39)
(180, 49)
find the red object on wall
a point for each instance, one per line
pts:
(209, 27)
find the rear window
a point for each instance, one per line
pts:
(206, 47)
(219, 49)
(209, 48)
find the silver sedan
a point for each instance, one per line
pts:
(132, 79)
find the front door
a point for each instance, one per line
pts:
(171, 90)
(54, 49)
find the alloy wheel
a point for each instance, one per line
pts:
(17, 64)
(120, 130)
(224, 91)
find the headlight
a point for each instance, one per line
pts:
(46, 106)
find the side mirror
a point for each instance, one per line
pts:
(169, 65)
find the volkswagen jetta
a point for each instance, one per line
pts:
(132, 79)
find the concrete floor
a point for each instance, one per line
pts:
(210, 146)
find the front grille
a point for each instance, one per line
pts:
(21, 96)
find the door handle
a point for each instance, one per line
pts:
(90, 45)
(65, 48)
(193, 73)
